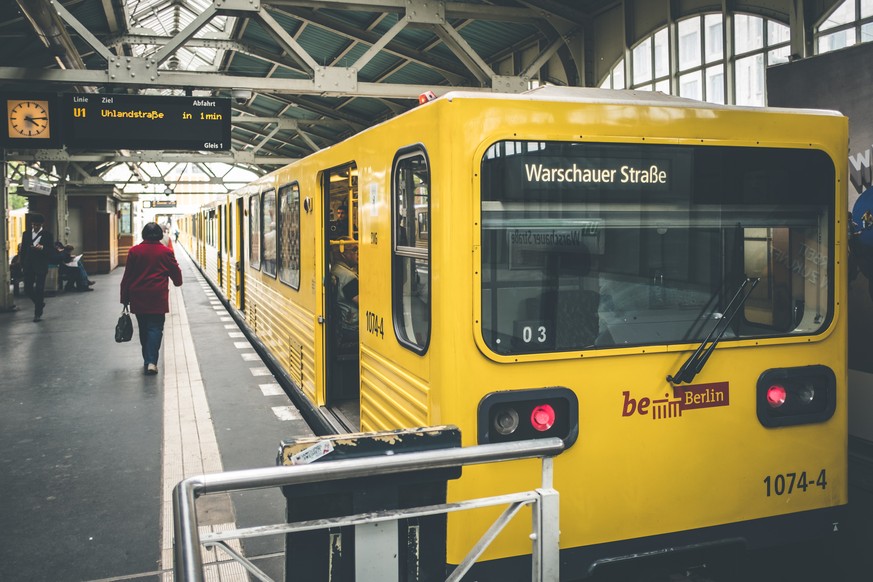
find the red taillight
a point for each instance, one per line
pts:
(776, 395)
(542, 418)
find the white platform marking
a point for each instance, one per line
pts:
(271, 390)
(287, 413)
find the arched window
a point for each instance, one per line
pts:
(701, 58)
(698, 66)
(850, 22)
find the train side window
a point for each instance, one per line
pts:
(255, 232)
(268, 233)
(410, 196)
(289, 235)
(210, 232)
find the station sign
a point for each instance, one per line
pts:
(35, 186)
(96, 121)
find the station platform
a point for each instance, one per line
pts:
(91, 447)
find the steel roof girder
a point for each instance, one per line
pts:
(462, 49)
(336, 79)
(86, 35)
(283, 123)
(450, 9)
(126, 69)
(233, 157)
(379, 45)
(176, 79)
(146, 39)
(455, 74)
(238, 5)
(426, 11)
(506, 84)
(178, 40)
(287, 42)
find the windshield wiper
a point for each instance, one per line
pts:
(695, 362)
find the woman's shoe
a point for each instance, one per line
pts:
(151, 370)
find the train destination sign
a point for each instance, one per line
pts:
(145, 122)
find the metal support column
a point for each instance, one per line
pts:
(7, 303)
(63, 227)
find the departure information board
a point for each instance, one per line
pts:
(145, 122)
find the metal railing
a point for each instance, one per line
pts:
(188, 564)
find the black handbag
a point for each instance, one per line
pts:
(124, 327)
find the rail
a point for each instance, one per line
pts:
(188, 564)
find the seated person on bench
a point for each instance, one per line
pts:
(72, 269)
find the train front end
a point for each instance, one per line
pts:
(663, 288)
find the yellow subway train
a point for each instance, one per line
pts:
(659, 282)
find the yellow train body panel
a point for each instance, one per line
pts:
(390, 396)
(649, 458)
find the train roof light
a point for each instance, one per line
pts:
(542, 418)
(425, 97)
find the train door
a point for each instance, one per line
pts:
(240, 254)
(219, 228)
(341, 349)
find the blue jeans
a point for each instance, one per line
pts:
(151, 333)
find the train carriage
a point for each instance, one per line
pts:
(658, 282)
(14, 229)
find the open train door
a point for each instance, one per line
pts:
(341, 337)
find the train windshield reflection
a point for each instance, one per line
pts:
(604, 245)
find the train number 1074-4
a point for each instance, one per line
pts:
(376, 324)
(790, 482)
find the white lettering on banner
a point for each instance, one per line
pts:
(574, 174)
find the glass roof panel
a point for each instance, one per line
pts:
(166, 18)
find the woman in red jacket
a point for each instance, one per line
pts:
(145, 289)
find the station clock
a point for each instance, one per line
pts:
(28, 119)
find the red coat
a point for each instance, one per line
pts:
(144, 285)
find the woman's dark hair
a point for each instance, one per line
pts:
(152, 231)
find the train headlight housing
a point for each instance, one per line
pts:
(806, 393)
(792, 396)
(505, 421)
(516, 415)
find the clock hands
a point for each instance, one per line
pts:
(29, 119)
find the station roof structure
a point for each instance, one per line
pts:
(305, 74)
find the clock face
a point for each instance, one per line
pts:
(28, 118)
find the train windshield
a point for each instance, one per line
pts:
(594, 246)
